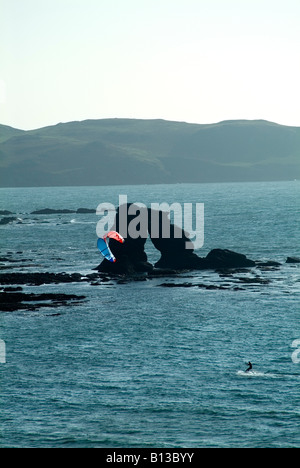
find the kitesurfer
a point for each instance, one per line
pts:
(250, 367)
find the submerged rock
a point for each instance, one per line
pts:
(5, 213)
(12, 301)
(37, 279)
(9, 220)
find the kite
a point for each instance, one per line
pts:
(104, 247)
(114, 235)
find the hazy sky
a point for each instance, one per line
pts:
(199, 61)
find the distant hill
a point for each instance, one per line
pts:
(125, 151)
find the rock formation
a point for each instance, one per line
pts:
(293, 260)
(132, 258)
(9, 220)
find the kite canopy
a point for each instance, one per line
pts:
(114, 235)
(105, 250)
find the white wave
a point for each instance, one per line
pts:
(75, 221)
(254, 373)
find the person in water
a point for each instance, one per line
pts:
(250, 367)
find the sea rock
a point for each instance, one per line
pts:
(293, 260)
(174, 254)
(5, 213)
(9, 220)
(12, 301)
(131, 256)
(170, 240)
(224, 258)
(85, 210)
(37, 279)
(49, 211)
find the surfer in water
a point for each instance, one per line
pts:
(250, 367)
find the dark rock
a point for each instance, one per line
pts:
(293, 260)
(10, 302)
(93, 277)
(254, 280)
(131, 256)
(172, 247)
(37, 279)
(156, 273)
(174, 253)
(5, 213)
(8, 220)
(49, 211)
(219, 259)
(85, 210)
(5, 259)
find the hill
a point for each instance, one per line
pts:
(125, 151)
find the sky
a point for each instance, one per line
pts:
(198, 61)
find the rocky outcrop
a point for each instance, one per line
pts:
(38, 279)
(223, 258)
(131, 256)
(5, 213)
(173, 245)
(12, 301)
(85, 210)
(293, 260)
(50, 211)
(9, 220)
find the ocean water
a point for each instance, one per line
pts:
(140, 365)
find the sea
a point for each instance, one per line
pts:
(140, 365)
